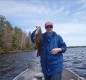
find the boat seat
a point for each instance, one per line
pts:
(39, 76)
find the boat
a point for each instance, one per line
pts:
(34, 74)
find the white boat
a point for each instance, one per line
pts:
(31, 74)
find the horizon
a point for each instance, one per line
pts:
(67, 16)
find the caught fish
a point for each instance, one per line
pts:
(38, 40)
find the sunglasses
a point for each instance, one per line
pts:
(49, 26)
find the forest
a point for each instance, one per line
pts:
(12, 38)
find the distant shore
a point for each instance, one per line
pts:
(75, 46)
(15, 51)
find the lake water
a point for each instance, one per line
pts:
(12, 64)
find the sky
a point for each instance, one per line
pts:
(67, 16)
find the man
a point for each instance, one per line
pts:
(51, 53)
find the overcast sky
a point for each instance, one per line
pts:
(68, 17)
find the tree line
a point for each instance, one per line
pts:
(13, 38)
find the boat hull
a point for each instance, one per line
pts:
(36, 75)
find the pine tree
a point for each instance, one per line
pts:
(15, 42)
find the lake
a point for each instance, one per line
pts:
(12, 64)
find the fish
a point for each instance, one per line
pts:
(38, 40)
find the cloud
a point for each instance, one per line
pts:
(70, 28)
(20, 8)
(68, 17)
(24, 9)
(73, 34)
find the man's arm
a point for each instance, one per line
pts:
(62, 45)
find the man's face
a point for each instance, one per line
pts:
(49, 28)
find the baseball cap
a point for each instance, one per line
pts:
(49, 24)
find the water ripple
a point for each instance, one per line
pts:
(12, 64)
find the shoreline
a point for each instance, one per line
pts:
(3, 52)
(75, 46)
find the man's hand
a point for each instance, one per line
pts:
(55, 50)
